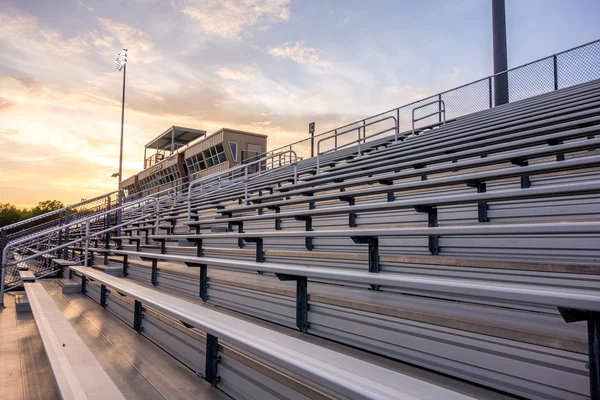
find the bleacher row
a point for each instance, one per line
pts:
(469, 250)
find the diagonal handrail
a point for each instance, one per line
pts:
(246, 179)
(4, 263)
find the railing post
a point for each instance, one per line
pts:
(490, 91)
(3, 264)
(397, 124)
(364, 131)
(246, 185)
(87, 242)
(358, 142)
(120, 211)
(555, 62)
(440, 108)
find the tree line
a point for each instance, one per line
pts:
(9, 213)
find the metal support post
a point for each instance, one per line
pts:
(83, 283)
(308, 241)
(138, 314)
(260, 254)
(125, 265)
(277, 220)
(301, 299)
(482, 206)
(87, 242)
(203, 292)
(103, 295)
(154, 276)
(432, 222)
(593, 326)
(351, 216)
(212, 359)
(500, 53)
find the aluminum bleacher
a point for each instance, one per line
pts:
(457, 261)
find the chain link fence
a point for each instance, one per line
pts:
(568, 68)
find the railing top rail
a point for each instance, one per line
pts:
(358, 127)
(77, 222)
(241, 166)
(54, 212)
(440, 93)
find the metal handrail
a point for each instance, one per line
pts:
(240, 167)
(441, 111)
(48, 214)
(397, 109)
(358, 140)
(4, 264)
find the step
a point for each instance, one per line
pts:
(22, 303)
(69, 286)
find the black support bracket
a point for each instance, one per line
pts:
(260, 253)
(103, 295)
(125, 265)
(373, 243)
(154, 276)
(432, 222)
(525, 181)
(83, 283)
(301, 299)
(163, 245)
(351, 216)
(198, 243)
(212, 359)
(593, 325)
(203, 282)
(308, 241)
(240, 229)
(138, 314)
(277, 220)
(390, 195)
(482, 206)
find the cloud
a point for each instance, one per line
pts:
(301, 54)
(407, 93)
(232, 19)
(138, 43)
(5, 105)
(244, 74)
(8, 132)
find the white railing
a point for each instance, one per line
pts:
(5, 263)
(241, 171)
(361, 138)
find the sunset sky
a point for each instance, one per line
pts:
(269, 66)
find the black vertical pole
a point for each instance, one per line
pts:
(122, 122)
(311, 130)
(500, 53)
(593, 354)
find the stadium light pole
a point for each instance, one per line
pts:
(122, 66)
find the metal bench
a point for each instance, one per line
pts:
(344, 375)
(77, 373)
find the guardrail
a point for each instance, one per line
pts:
(441, 112)
(230, 174)
(360, 139)
(567, 68)
(5, 264)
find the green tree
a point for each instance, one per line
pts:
(9, 214)
(44, 207)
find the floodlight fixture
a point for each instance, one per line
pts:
(121, 59)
